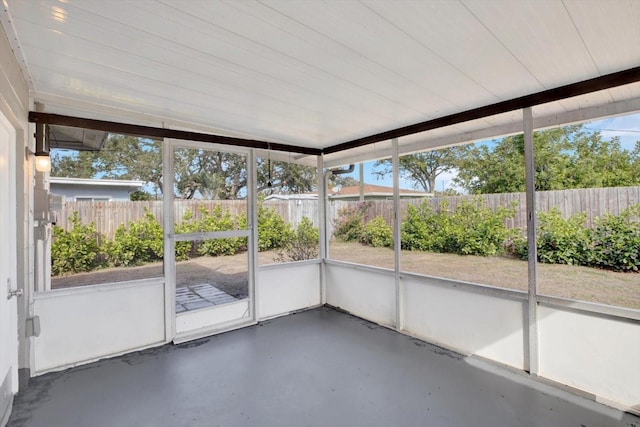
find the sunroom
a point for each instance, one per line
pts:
(504, 292)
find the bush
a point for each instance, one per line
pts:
(562, 241)
(303, 243)
(377, 233)
(471, 229)
(422, 228)
(273, 231)
(75, 250)
(184, 249)
(217, 220)
(349, 224)
(141, 242)
(615, 241)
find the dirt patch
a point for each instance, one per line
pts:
(229, 273)
(566, 281)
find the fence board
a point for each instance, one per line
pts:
(107, 216)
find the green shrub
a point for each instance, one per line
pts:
(303, 243)
(141, 242)
(562, 241)
(615, 241)
(422, 228)
(217, 220)
(377, 233)
(186, 249)
(471, 229)
(75, 250)
(273, 231)
(349, 224)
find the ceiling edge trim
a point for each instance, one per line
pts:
(607, 81)
(155, 132)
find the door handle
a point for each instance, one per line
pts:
(15, 293)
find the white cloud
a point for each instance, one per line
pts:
(627, 128)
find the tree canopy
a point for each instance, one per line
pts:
(423, 168)
(565, 158)
(197, 172)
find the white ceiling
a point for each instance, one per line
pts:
(316, 73)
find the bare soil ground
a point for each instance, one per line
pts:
(566, 281)
(229, 273)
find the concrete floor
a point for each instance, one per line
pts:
(317, 368)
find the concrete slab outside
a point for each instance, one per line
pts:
(316, 368)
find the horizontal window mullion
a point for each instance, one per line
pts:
(205, 235)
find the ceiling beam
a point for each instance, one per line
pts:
(155, 132)
(608, 81)
(539, 122)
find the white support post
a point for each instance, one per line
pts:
(361, 181)
(252, 219)
(396, 233)
(532, 324)
(322, 228)
(169, 243)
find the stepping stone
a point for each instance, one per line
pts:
(197, 305)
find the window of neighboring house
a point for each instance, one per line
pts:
(94, 242)
(92, 199)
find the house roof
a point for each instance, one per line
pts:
(97, 182)
(374, 190)
(323, 75)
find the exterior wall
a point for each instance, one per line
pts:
(14, 106)
(71, 192)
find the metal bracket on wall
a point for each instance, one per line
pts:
(32, 327)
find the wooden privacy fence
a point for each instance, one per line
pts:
(107, 216)
(593, 201)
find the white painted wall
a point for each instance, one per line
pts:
(84, 324)
(14, 245)
(8, 273)
(283, 288)
(363, 292)
(464, 320)
(590, 352)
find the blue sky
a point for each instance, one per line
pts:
(625, 127)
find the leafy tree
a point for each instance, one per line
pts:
(342, 181)
(122, 157)
(565, 158)
(209, 174)
(139, 195)
(285, 177)
(76, 165)
(422, 168)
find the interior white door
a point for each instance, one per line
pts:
(8, 304)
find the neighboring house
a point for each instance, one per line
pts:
(303, 196)
(352, 193)
(374, 192)
(99, 190)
